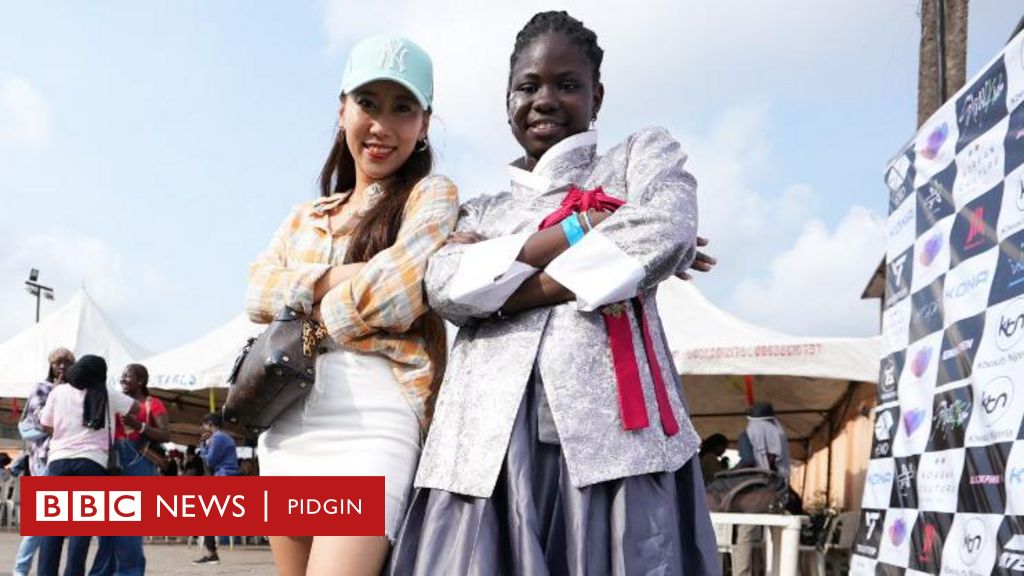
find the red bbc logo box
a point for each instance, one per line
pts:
(184, 505)
(88, 506)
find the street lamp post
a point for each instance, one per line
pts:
(33, 287)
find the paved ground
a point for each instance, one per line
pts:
(170, 558)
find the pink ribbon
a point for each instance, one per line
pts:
(632, 408)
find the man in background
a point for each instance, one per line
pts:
(218, 452)
(762, 445)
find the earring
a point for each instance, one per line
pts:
(421, 146)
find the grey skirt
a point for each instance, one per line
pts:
(537, 523)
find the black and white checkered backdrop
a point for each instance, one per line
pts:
(944, 492)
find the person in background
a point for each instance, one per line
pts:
(193, 465)
(37, 447)
(78, 417)
(711, 451)
(763, 445)
(218, 451)
(134, 439)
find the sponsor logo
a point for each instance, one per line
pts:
(882, 449)
(977, 103)
(876, 478)
(935, 141)
(905, 478)
(986, 480)
(931, 248)
(883, 425)
(974, 535)
(952, 415)
(967, 286)
(921, 360)
(898, 532)
(889, 376)
(959, 349)
(976, 230)
(996, 396)
(1011, 325)
(1016, 267)
(1017, 475)
(896, 178)
(900, 224)
(912, 420)
(1012, 557)
(88, 506)
(930, 535)
(870, 523)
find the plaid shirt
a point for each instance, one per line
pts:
(374, 310)
(38, 450)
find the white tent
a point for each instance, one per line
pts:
(192, 378)
(203, 363)
(805, 378)
(79, 325)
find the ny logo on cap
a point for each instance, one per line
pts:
(392, 55)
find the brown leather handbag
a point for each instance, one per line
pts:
(273, 371)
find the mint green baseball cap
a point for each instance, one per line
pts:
(390, 57)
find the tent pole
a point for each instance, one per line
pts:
(828, 478)
(213, 401)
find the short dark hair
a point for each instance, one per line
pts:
(559, 22)
(214, 419)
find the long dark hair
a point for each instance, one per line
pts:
(378, 229)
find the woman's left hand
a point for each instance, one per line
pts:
(702, 262)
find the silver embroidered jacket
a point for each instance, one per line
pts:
(566, 346)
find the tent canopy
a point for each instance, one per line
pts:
(79, 325)
(804, 378)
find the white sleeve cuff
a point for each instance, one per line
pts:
(489, 273)
(597, 271)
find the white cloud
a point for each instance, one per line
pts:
(25, 120)
(67, 261)
(814, 287)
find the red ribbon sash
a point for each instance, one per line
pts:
(632, 407)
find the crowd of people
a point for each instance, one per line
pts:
(77, 424)
(554, 437)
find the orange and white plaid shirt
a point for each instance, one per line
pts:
(374, 310)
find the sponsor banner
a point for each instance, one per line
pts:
(1009, 275)
(1014, 479)
(926, 541)
(947, 453)
(182, 506)
(938, 480)
(926, 315)
(898, 526)
(1010, 548)
(1011, 214)
(960, 344)
(886, 422)
(898, 276)
(970, 548)
(951, 413)
(983, 482)
(869, 533)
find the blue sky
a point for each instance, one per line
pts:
(149, 150)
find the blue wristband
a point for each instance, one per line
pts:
(572, 229)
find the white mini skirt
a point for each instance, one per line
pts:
(354, 422)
